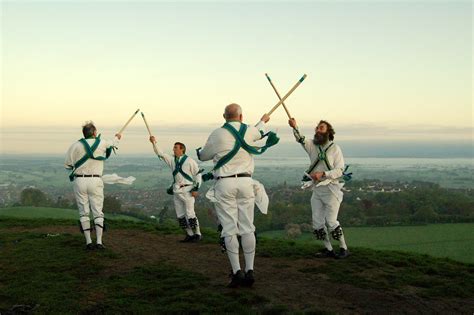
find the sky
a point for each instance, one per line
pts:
(377, 70)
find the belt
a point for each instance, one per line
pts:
(75, 175)
(235, 176)
(181, 186)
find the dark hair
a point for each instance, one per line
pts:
(181, 145)
(330, 130)
(88, 129)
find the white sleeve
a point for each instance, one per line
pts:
(112, 143)
(208, 151)
(168, 159)
(338, 167)
(308, 145)
(260, 127)
(197, 177)
(69, 161)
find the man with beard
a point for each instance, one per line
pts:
(327, 167)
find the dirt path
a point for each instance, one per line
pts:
(277, 279)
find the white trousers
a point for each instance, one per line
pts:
(184, 205)
(235, 205)
(325, 205)
(89, 192)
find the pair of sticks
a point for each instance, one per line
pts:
(280, 102)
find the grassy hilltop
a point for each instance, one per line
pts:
(44, 268)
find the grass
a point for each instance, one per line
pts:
(53, 213)
(455, 241)
(389, 270)
(53, 274)
(383, 270)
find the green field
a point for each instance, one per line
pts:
(455, 241)
(53, 213)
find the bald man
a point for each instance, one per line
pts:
(231, 148)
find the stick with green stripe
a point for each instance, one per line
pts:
(278, 94)
(282, 103)
(146, 124)
(126, 124)
(287, 94)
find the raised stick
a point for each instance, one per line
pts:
(126, 124)
(278, 94)
(287, 94)
(146, 124)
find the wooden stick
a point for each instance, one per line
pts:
(126, 124)
(287, 94)
(278, 94)
(146, 124)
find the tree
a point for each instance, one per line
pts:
(33, 197)
(425, 214)
(112, 204)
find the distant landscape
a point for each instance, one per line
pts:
(407, 193)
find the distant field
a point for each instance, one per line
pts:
(53, 213)
(455, 241)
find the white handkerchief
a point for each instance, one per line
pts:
(261, 198)
(115, 179)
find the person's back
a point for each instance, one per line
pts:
(221, 142)
(91, 166)
(85, 158)
(234, 187)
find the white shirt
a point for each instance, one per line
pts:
(90, 167)
(334, 156)
(190, 167)
(221, 142)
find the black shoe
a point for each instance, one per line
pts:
(325, 253)
(90, 246)
(197, 237)
(343, 253)
(187, 239)
(100, 246)
(237, 279)
(249, 279)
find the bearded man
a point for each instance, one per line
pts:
(327, 167)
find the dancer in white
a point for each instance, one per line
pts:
(186, 183)
(231, 148)
(85, 158)
(327, 167)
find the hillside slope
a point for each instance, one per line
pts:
(145, 269)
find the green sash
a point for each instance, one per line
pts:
(179, 168)
(322, 156)
(272, 139)
(89, 155)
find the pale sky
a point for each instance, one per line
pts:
(384, 67)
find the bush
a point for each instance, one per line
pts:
(33, 197)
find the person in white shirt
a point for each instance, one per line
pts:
(186, 183)
(85, 158)
(327, 167)
(234, 190)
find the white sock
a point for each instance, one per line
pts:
(232, 246)
(327, 241)
(197, 229)
(99, 230)
(248, 245)
(189, 231)
(87, 235)
(342, 241)
(86, 227)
